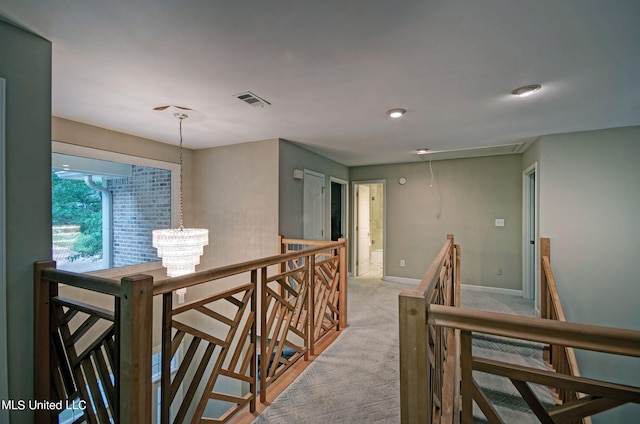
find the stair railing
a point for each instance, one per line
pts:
(425, 374)
(561, 358)
(599, 395)
(98, 354)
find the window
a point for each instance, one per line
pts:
(105, 206)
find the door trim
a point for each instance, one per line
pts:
(4, 369)
(529, 290)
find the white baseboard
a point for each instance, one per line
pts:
(401, 280)
(495, 290)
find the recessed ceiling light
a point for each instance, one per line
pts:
(422, 151)
(526, 90)
(397, 112)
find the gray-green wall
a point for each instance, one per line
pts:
(293, 157)
(465, 198)
(25, 63)
(590, 209)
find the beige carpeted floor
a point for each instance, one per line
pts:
(356, 379)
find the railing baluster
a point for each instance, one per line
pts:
(165, 357)
(467, 380)
(45, 326)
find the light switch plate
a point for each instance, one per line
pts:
(499, 222)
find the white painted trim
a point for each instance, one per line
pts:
(526, 207)
(494, 290)
(402, 280)
(4, 364)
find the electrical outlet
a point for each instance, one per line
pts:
(500, 271)
(499, 222)
(401, 262)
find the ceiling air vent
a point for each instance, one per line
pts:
(251, 99)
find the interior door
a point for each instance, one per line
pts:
(363, 229)
(313, 213)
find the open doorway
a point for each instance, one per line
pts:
(369, 225)
(339, 210)
(530, 254)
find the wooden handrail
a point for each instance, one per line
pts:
(561, 358)
(583, 336)
(170, 284)
(430, 279)
(83, 281)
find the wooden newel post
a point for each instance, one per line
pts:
(545, 250)
(415, 378)
(135, 333)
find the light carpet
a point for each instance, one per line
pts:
(355, 380)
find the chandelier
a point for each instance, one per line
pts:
(180, 248)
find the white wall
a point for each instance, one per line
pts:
(590, 209)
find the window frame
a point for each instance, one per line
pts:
(174, 168)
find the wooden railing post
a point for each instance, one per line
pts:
(135, 316)
(253, 368)
(342, 301)
(264, 335)
(44, 291)
(545, 298)
(415, 376)
(457, 292)
(545, 250)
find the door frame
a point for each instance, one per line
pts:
(530, 219)
(354, 207)
(344, 201)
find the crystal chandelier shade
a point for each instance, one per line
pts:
(180, 248)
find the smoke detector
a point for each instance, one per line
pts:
(251, 99)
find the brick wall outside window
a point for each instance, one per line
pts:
(141, 204)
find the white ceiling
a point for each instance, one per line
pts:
(330, 69)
